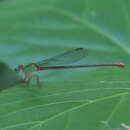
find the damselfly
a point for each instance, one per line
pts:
(61, 61)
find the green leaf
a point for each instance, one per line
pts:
(78, 99)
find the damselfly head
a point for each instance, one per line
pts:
(18, 68)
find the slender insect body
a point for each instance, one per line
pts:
(61, 61)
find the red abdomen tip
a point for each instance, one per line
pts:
(120, 64)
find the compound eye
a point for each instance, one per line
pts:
(17, 69)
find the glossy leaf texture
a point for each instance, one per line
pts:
(78, 99)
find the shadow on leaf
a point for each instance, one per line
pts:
(8, 78)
